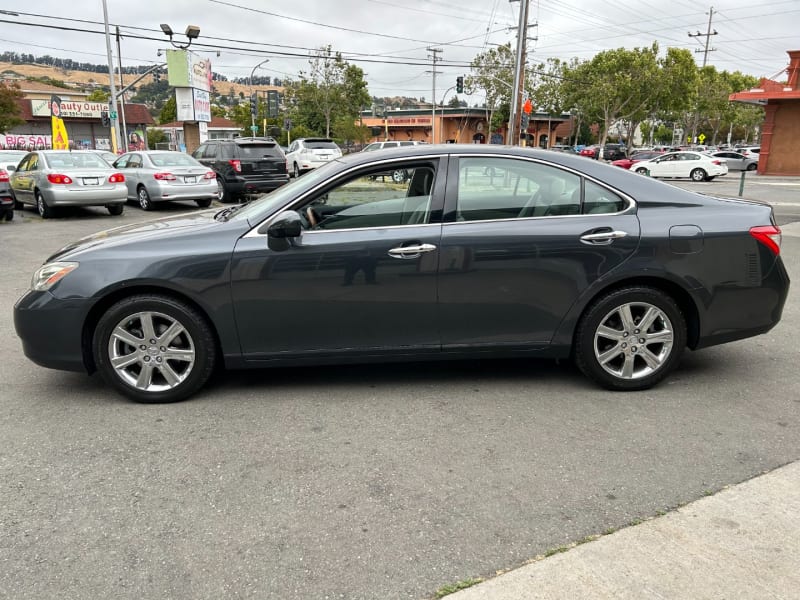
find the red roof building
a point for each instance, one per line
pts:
(781, 130)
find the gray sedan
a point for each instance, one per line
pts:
(51, 178)
(737, 161)
(162, 175)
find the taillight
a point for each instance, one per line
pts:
(716, 162)
(237, 165)
(116, 178)
(3, 176)
(210, 175)
(57, 178)
(769, 235)
(164, 176)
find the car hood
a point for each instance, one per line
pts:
(166, 227)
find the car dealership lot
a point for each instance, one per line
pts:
(359, 482)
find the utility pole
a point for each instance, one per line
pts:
(112, 113)
(434, 59)
(519, 75)
(124, 139)
(705, 52)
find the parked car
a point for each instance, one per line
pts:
(397, 175)
(590, 151)
(557, 257)
(48, 179)
(164, 175)
(8, 164)
(244, 165)
(626, 163)
(309, 153)
(607, 152)
(562, 148)
(736, 161)
(106, 155)
(692, 165)
(749, 151)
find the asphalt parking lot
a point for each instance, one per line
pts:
(361, 482)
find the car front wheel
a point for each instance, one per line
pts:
(154, 348)
(642, 171)
(144, 198)
(41, 205)
(630, 339)
(295, 171)
(752, 167)
(698, 175)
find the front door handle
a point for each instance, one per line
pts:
(411, 251)
(602, 237)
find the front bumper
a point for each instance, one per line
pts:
(51, 330)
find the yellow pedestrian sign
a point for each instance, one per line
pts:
(701, 138)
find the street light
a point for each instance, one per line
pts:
(192, 33)
(253, 127)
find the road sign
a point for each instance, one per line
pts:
(254, 128)
(112, 114)
(701, 138)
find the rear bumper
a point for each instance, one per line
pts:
(197, 191)
(86, 197)
(254, 186)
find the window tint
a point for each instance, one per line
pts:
(211, 151)
(259, 151)
(135, 161)
(200, 151)
(122, 161)
(374, 199)
(373, 146)
(320, 145)
(599, 200)
(499, 188)
(173, 159)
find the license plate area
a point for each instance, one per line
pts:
(91, 181)
(190, 179)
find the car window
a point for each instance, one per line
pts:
(23, 164)
(500, 188)
(371, 147)
(320, 145)
(122, 161)
(200, 151)
(259, 151)
(598, 199)
(172, 159)
(135, 161)
(374, 199)
(33, 163)
(210, 151)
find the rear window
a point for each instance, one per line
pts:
(320, 145)
(76, 160)
(176, 159)
(259, 151)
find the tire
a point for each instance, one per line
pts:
(642, 171)
(752, 167)
(9, 215)
(222, 193)
(399, 176)
(44, 211)
(610, 359)
(205, 203)
(115, 209)
(295, 170)
(697, 175)
(167, 369)
(144, 198)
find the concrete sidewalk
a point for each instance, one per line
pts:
(743, 542)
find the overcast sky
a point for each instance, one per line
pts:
(388, 38)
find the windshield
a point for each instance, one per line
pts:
(75, 159)
(173, 159)
(259, 209)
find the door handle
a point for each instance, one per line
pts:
(602, 237)
(411, 251)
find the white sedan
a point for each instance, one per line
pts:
(694, 165)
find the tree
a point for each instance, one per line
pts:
(9, 107)
(169, 111)
(155, 136)
(493, 72)
(99, 95)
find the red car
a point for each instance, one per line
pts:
(590, 151)
(626, 163)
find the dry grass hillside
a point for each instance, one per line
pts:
(88, 77)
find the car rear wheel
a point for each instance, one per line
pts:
(222, 193)
(144, 198)
(295, 170)
(41, 205)
(115, 209)
(630, 339)
(205, 203)
(641, 171)
(698, 175)
(399, 175)
(9, 215)
(752, 167)
(154, 348)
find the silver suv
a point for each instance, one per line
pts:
(390, 144)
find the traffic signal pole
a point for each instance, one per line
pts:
(519, 76)
(113, 103)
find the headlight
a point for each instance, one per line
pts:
(51, 273)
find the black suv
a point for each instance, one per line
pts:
(614, 152)
(244, 165)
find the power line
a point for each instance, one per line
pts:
(706, 35)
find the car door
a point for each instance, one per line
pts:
(666, 166)
(519, 248)
(360, 279)
(21, 180)
(122, 164)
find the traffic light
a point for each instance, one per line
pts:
(156, 76)
(104, 120)
(524, 121)
(254, 104)
(272, 103)
(459, 85)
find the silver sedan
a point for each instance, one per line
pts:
(162, 175)
(52, 178)
(737, 161)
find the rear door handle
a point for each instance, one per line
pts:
(602, 237)
(411, 251)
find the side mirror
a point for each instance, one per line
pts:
(10, 168)
(287, 225)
